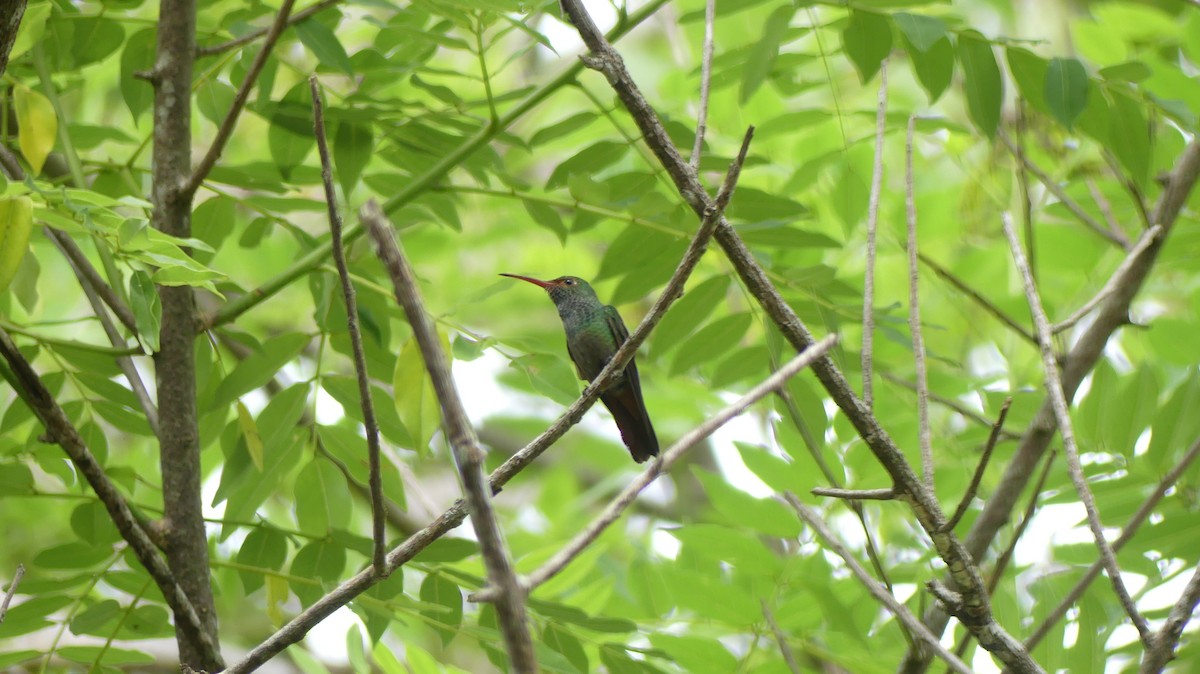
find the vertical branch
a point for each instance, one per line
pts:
(868, 322)
(370, 425)
(510, 604)
(914, 312)
(178, 434)
(1062, 415)
(710, 10)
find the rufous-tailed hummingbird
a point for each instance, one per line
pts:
(594, 333)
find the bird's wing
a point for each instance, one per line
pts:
(622, 333)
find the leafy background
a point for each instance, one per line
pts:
(454, 113)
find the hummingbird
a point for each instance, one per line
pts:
(594, 333)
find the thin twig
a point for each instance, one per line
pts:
(12, 589)
(914, 312)
(370, 425)
(60, 429)
(613, 510)
(978, 298)
(239, 102)
(855, 494)
(1026, 199)
(710, 11)
(965, 504)
(1167, 638)
(868, 319)
(468, 456)
(780, 637)
(1062, 414)
(897, 609)
(1148, 237)
(253, 35)
(1058, 192)
(1127, 533)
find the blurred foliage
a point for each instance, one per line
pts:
(454, 113)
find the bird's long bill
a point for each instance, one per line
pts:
(536, 282)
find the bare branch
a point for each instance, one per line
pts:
(914, 313)
(12, 589)
(868, 322)
(1061, 412)
(510, 604)
(1148, 237)
(370, 425)
(1127, 533)
(903, 615)
(1167, 638)
(1053, 187)
(613, 510)
(60, 430)
(239, 102)
(855, 494)
(973, 487)
(780, 638)
(710, 11)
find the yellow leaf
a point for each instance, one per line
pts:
(37, 126)
(16, 220)
(254, 444)
(277, 593)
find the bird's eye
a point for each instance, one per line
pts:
(569, 282)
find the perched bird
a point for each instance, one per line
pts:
(594, 333)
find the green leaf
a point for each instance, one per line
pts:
(259, 368)
(1129, 133)
(735, 546)
(562, 128)
(326, 501)
(146, 307)
(934, 67)
(250, 435)
(560, 640)
(981, 81)
(138, 57)
(589, 161)
(290, 137)
(687, 313)
(214, 99)
(96, 618)
(415, 401)
(322, 561)
(922, 32)
(711, 341)
(37, 126)
(263, 548)
(1066, 89)
(16, 222)
(763, 51)
(700, 655)
(352, 148)
(546, 217)
(447, 610)
(447, 550)
(95, 38)
(92, 524)
(323, 43)
(1176, 425)
(743, 510)
(1029, 71)
(867, 40)
(72, 556)
(775, 471)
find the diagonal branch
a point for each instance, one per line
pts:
(886, 598)
(60, 429)
(239, 102)
(975, 611)
(1167, 638)
(690, 439)
(12, 589)
(780, 638)
(510, 605)
(965, 504)
(1062, 414)
(370, 425)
